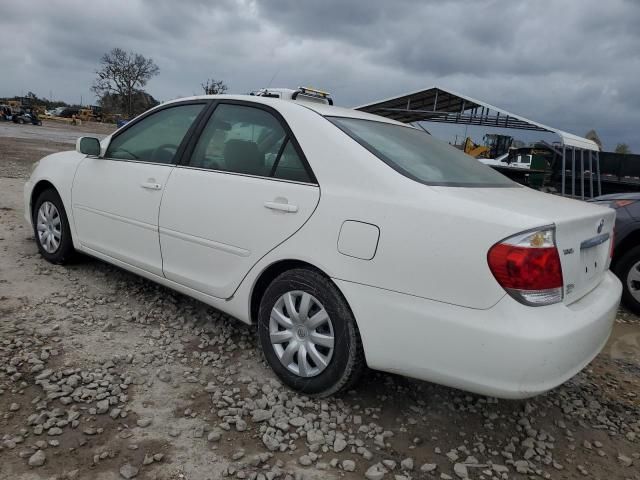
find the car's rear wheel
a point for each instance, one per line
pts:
(51, 228)
(309, 335)
(628, 270)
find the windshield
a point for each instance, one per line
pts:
(419, 156)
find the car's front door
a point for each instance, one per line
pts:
(245, 189)
(116, 199)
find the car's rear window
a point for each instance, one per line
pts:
(419, 156)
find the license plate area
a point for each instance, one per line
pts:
(592, 263)
(593, 257)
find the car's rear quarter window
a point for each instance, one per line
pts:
(420, 156)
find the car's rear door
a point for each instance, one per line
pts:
(116, 199)
(245, 188)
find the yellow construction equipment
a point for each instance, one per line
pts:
(90, 114)
(15, 105)
(85, 114)
(494, 146)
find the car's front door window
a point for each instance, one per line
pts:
(155, 138)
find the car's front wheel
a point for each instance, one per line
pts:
(309, 335)
(628, 270)
(51, 228)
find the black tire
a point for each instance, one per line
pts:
(347, 362)
(622, 269)
(65, 251)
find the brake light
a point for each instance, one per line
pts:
(621, 203)
(527, 266)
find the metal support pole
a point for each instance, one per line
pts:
(573, 172)
(599, 174)
(591, 173)
(582, 174)
(564, 173)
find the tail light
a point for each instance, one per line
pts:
(621, 203)
(527, 266)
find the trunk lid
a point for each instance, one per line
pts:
(584, 244)
(584, 231)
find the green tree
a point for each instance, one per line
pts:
(622, 148)
(123, 74)
(141, 101)
(592, 135)
(213, 86)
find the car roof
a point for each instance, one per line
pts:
(320, 108)
(333, 111)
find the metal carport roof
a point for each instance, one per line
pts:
(441, 105)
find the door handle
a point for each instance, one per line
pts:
(151, 185)
(282, 207)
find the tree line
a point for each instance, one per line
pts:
(120, 84)
(122, 76)
(620, 148)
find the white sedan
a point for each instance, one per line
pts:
(350, 240)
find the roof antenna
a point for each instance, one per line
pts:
(274, 76)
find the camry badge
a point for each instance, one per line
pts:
(600, 225)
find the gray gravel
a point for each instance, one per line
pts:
(101, 371)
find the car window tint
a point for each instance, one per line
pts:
(419, 156)
(271, 156)
(239, 139)
(155, 138)
(290, 165)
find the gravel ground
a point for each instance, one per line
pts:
(21, 145)
(104, 375)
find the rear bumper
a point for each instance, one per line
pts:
(508, 351)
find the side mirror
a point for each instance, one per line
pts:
(88, 146)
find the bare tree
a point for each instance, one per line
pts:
(123, 74)
(592, 135)
(622, 148)
(214, 87)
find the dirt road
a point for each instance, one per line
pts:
(104, 375)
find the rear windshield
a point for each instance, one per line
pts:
(419, 156)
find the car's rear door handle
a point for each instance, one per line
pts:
(283, 207)
(151, 185)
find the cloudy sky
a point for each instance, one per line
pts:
(572, 64)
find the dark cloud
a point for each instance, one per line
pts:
(572, 64)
